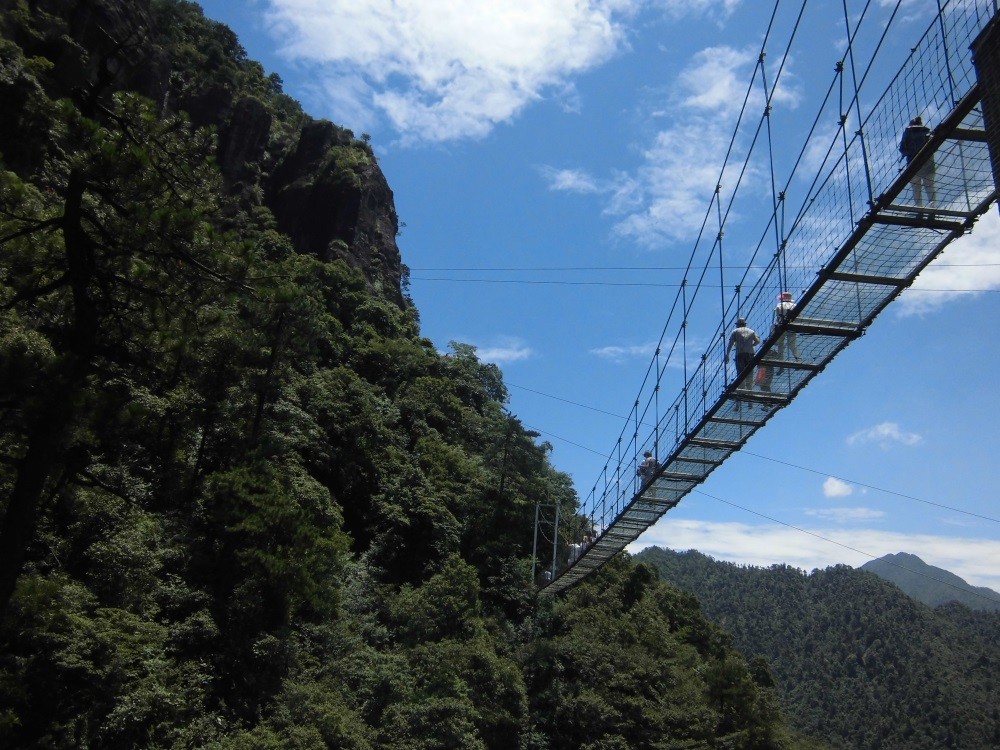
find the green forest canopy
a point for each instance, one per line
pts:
(244, 503)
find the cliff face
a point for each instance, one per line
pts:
(330, 197)
(323, 186)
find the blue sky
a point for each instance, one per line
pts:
(553, 160)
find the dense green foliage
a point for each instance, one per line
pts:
(244, 504)
(626, 662)
(855, 660)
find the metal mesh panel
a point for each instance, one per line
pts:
(786, 380)
(859, 238)
(818, 347)
(848, 302)
(892, 251)
(734, 430)
(690, 467)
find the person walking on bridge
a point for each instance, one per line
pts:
(782, 314)
(915, 137)
(647, 468)
(744, 339)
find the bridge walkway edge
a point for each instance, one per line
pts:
(741, 410)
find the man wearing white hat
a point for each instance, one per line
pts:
(782, 314)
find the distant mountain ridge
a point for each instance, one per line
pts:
(856, 661)
(931, 585)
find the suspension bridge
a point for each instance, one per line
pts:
(862, 235)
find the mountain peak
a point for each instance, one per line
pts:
(929, 584)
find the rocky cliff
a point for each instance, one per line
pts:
(323, 186)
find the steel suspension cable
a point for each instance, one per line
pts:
(857, 98)
(779, 229)
(947, 57)
(729, 150)
(816, 184)
(847, 166)
(778, 200)
(770, 158)
(722, 287)
(761, 122)
(746, 162)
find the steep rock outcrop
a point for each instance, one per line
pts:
(324, 186)
(246, 136)
(94, 46)
(332, 200)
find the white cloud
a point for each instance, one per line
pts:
(347, 96)
(846, 515)
(569, 99)
(884, 435)
(622, 353)
(976, 560)
(571, 180)
(669, 360)
(671, 192)
(971, 262)
(716, 79)
(834, 487)
(506, 349)
(696, 7)
(622, 193)
(440, 70)
(914, 10)
(625, 194)
(818, 154)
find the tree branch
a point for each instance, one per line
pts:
(47, 224)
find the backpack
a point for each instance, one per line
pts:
(914, 138)
(782, 313)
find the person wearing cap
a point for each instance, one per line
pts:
(647, 467)
(783, 314)
(915, 137)
(744, 339)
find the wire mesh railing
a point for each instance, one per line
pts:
(861, 181)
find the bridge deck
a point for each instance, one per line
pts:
(883, 254)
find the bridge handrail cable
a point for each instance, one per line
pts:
(818, 228)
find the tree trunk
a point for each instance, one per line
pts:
(49, 429)
(45, 452)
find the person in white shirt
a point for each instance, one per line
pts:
(744, 339)
(782, 314)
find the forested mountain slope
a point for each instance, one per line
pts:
(929, 584)
(243, 503)
(856, 661)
